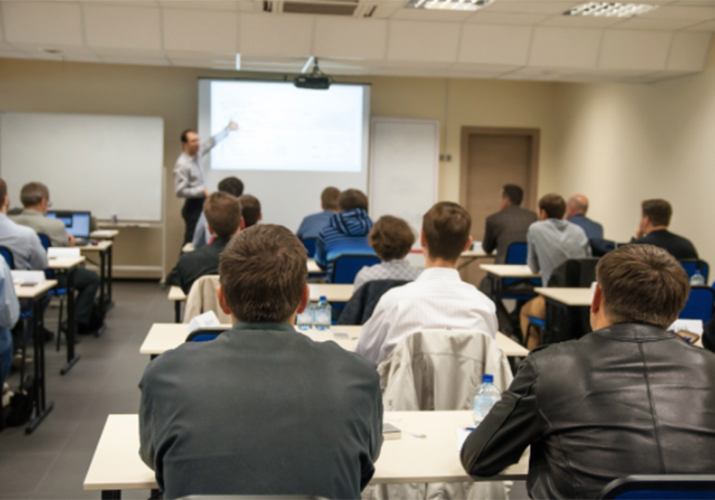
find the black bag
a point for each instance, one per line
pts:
(20, 409)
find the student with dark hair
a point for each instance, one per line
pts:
(653, 230)
(312, 224)
(438, 298)
(230, 185)
(262, 409)
(509, 225)
(250, 210)
(391, 238)
(628, 398)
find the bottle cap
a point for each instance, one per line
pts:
(487, 379)
(323, 299)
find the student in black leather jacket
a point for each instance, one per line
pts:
(629, 398)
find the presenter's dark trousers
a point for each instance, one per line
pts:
(191, 213)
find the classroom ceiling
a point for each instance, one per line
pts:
(508, 39)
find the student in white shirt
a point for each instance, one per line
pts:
(438, 298)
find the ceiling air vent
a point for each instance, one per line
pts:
(334, 8)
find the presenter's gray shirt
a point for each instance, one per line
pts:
(552, 242)
(23, 242)
(54, 228)
(188, 171)
(262, 409)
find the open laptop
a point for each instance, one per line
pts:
(77, 224)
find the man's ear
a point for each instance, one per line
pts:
(304, 299)
(469, 244)
(597, 302)
(242, 224)
(260, 216)
(222, 300)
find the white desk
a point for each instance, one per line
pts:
(176, 294)
(165, 336)
(314, 268)
(332, 292)
(104, 234)
(116, 464)
(572, 297)
(509, 271)
(67, 265)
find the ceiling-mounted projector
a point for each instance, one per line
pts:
(316, 80)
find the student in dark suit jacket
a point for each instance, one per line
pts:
(223, 215)
(509, 225)
(576, 208)
(653, 230)
(263, 409)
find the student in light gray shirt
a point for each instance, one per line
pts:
(552, 241)
(23, 242)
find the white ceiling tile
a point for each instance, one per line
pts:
(81, 57)
(689, 51)
(431, 15)
(140, 61)
(635, 50)
(359, 38)
(536, 74)
(604, 76)
(249, 5)
(197, 30)
(492, 44)
(696, 3)
(483, 16)
(132, 53)
(203, 63)
(483, 68)
(387, 9)
(200, 4)
(423, 41)
(565, 47)
(130, 27)
(415, 66)
(192, 54)
(52, 23)
(650, 23)
(280, 35)
(121, 3)
(676, 12)
(533, 6)
(581, 21)
(708, 26)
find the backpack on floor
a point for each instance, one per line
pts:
(20, 409)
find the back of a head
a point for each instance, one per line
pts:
(446, 226)
(554, 206)
(231, 185)
(251, 210)
(223, 214)
(658, 211)
(642, 284)
(3, 191)
(263, 272)
(513, 193)
(185, 135)
(391, 238)
(33, 193)
(577, 205)
(329, 198)
(350, 199)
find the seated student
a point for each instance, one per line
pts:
(230, 185)
(348, 227)
(27, 251)
(250, 210)
(9, 314)
(552, 241)
(653, 230)
(509, 225)
(312, 224)
(35, 198)
(223, 214)
(263, 410)
(576, 208)
(392, 239)
(438, 298)
(629, 398)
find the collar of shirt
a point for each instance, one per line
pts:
(439, 273)
(28, 211)
(396, 263)
(3, 217)
(282, 326)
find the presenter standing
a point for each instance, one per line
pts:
(189, 175)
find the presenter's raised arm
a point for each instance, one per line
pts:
(208, 145)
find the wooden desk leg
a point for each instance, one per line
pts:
(72, 358)
(41, 408)
(111, 494)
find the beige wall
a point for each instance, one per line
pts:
(172, 93)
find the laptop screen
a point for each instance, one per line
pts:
(77, 223)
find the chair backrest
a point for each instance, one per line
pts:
(516, 253)
(202, 298)
(345, 267)
(661, 487)
(692, 265)
(574, 273)
(45, 240)
(700, 304)
(309, 244)
(203, 335)
(362, 304)
(439, 370)
(7, 254)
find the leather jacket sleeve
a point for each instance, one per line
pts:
(512, 425)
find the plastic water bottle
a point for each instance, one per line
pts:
(697, 279)
(486, 395)
(323, 314)
(306, 319)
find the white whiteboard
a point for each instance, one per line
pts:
(404, 168)
(109, 165)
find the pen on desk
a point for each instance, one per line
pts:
(469, 428)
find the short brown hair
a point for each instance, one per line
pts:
(251, 209)
(514, 193)
(33, 193)
(184, 135)
(223, 213)
(329, 198)
(554, 206)
(658, 211)
(391, 238)
(351, 199)
(642, 284)
(3, 191)
(231, 185)
(446, 226)
(263, 272)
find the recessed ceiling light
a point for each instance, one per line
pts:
(448, 4)
(50, 51)
(610, 9)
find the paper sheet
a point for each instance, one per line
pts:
(462, 435)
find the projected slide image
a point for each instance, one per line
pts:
(282, 127)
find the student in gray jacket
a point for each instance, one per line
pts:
(262, 409)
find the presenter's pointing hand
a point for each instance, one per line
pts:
(232, 125)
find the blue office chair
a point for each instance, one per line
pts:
(203, 335)
(309, 244)
(7, 255)
(661, 487)
(692, 265)
(700, 304)
(346, 266)
(56, 291)
(516, 254)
